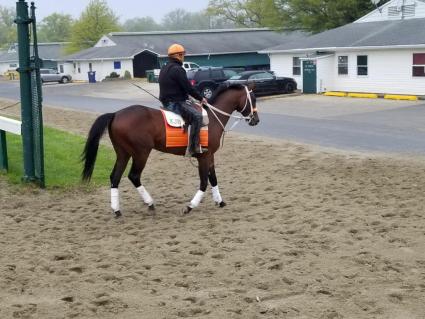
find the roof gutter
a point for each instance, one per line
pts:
(386, 47)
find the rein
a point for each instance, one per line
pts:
(238, 117)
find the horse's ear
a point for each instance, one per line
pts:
(251, 86)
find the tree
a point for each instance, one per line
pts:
(55, 28)
(7, 28)
(141, 24)
(180, 19)
(310, 15)
(248, 13)
(320, 15)
(96, 20)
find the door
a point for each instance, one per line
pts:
(309, 76)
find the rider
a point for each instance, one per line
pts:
(174, 88)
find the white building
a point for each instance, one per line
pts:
(382, 52)
(137, 52)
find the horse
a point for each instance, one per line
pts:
(136, 130)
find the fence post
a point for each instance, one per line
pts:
(3, 151)
(23, 21)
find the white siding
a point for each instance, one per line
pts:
(281, 64)
(102, 69)
(382, 15)
(388, 72)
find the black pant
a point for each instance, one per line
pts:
(192, 117)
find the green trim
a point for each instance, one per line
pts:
(3, 151)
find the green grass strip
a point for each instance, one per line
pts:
(62, 152)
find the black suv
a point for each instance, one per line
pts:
(206, 80)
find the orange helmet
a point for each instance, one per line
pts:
(176, 49)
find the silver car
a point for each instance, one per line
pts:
(50, 75)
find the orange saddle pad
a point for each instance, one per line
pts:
(176, 137)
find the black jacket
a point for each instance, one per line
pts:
(174, 85)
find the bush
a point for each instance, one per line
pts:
(114, 75)
(127, 75)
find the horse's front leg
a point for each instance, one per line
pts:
(214, 186)
(203, 168)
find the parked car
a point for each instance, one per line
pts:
(206, 80)
(50, 75)
(265, 82)
(190, 66)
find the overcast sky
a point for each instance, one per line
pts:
(125, 9)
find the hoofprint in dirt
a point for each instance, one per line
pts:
(307, 233)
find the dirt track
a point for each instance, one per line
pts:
(307, 233)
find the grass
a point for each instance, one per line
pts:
(62, 160)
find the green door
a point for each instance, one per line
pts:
(309, 76)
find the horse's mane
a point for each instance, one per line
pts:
(224, 87)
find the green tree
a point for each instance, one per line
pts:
(180, 19)
(55, 28)
(248, 13)
(141, 24)
(96, 20)
(7, 27)
(310, 15)
(321, 15)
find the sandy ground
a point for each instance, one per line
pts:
(307, 233)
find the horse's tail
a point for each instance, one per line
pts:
(92, 145)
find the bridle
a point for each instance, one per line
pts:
(248, 102)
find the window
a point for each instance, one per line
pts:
(203, 75)
(362, 65)
(261, 76)
(13, 65)
(296, 66)
(117, 65)
(418, 64)
(216, 74)
(79, 68)
(342, 65)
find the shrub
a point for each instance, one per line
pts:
(127, 75)
(114, 75)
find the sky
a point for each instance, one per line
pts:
(125, 9)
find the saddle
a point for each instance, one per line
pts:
(176, 130)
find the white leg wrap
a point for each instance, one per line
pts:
(197, 199)
(115, 199)
(216, 195)
(145, 195)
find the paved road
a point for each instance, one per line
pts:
(349, 124)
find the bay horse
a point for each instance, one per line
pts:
(136, 130)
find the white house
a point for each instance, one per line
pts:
(382, 52)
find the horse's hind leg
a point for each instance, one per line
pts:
(116, 174)
(136, 170)
(214, 185)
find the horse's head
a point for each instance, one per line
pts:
(248, 105)
(235, 97)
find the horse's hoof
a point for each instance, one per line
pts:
(151, 207)
(186, 210)
(222, 204)
(117, 214)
